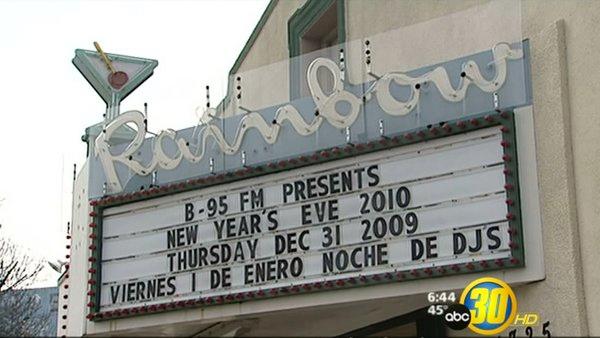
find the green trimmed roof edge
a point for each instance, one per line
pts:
(246, 49)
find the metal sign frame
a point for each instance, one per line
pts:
(505, 119)
(100, 84)
(374, 121)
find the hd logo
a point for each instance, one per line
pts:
(492, 305)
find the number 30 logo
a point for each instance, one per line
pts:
(492, 303)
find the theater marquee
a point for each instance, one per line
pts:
(412, 207)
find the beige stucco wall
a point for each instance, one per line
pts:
(564, 46)
(271, 45)
(580, 49)
(564, 54)
(77, 276)
(265, 66)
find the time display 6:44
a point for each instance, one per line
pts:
(441, 297)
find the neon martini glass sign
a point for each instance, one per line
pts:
(113, 76)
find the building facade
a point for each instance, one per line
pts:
(301, 60)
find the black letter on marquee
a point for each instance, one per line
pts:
(327, 262)
(287, 191)
(493, 237)
(215, 279)
(431, 246)
(193, 282)
(305, 212)
(114, 293)
(416, 248)
(460, 243)
(271, 217)
(189, 212)
(373, 175)
(279, 244)
(478, 243)
(171, 285)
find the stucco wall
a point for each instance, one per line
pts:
(76, 276)
(564, 49)
(266, 64)
(557, 191)
(579, 50)
(271, 45)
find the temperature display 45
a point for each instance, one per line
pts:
(435, 298)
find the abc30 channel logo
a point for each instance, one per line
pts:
(487, 306)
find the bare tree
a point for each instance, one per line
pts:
(19, 309)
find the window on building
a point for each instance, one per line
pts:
(323, 33)
(319, 24)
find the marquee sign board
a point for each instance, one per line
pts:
(433, 203)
